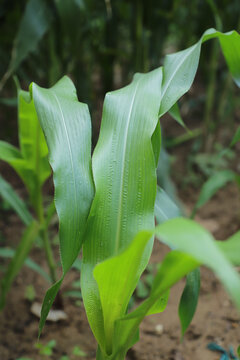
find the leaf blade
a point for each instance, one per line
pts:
(64, 121)
(9, 195)
(165, 208)
(124, 166)
(211, 186)
(179, 69)
(189, 299)
(18, 259)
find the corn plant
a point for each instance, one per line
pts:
(106, 203)
(31, 164)
(218, 179)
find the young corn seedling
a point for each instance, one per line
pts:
(106, 203)
(31, 164)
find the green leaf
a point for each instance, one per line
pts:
(74, 293)
(46, 349)
(156, 142)
(238, 351)
(189, 299)
(9, 195)
(29, 33)
(33, 146)
(30, 293)
(124, 171)
(30, 162)
(142, 290)
(173, 268)
(67, 128)
(10, 253)
(236, 137)
(13, 157)
(176, 115)
(189, 237)
(78, 352)
(211, 186)
(9, 101)
(194, 246)
(165, 208)
(20, 255)
(115, 277)
(231, 248)
(179, 69)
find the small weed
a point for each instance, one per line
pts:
(46, 349)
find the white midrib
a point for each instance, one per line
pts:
(176, 70)
(118, 228)
(69, 148)
(160, 210)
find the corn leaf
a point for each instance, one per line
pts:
(10, 253)
(176, 115)
(175, 265)
(9, 195)
(156, 142)
(211, 186)
(231, 248)
(13, 157)
(18, 260)
(189, 299)
(179, 69)
(194, 246)
(34, 24)
(32, 145)
(165, 208)
(67, 128)
(124, 171)
(236, 137)
(30, 162)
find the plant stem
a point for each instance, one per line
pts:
(38, 204)
(44, 236)
(49, 255)
(101, 356)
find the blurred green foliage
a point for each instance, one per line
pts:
(101, 44)
(78, 37)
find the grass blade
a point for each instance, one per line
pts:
(236, 137)
(10, 253)
(9, 195)
(18, 259)
(189, 299)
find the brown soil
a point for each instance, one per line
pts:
(216, 318)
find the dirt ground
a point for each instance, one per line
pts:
(216, 319)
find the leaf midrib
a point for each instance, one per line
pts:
(165, 88)
(69, 147)
(118, 227)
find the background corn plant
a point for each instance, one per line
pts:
(106, 203)
(31, 164)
